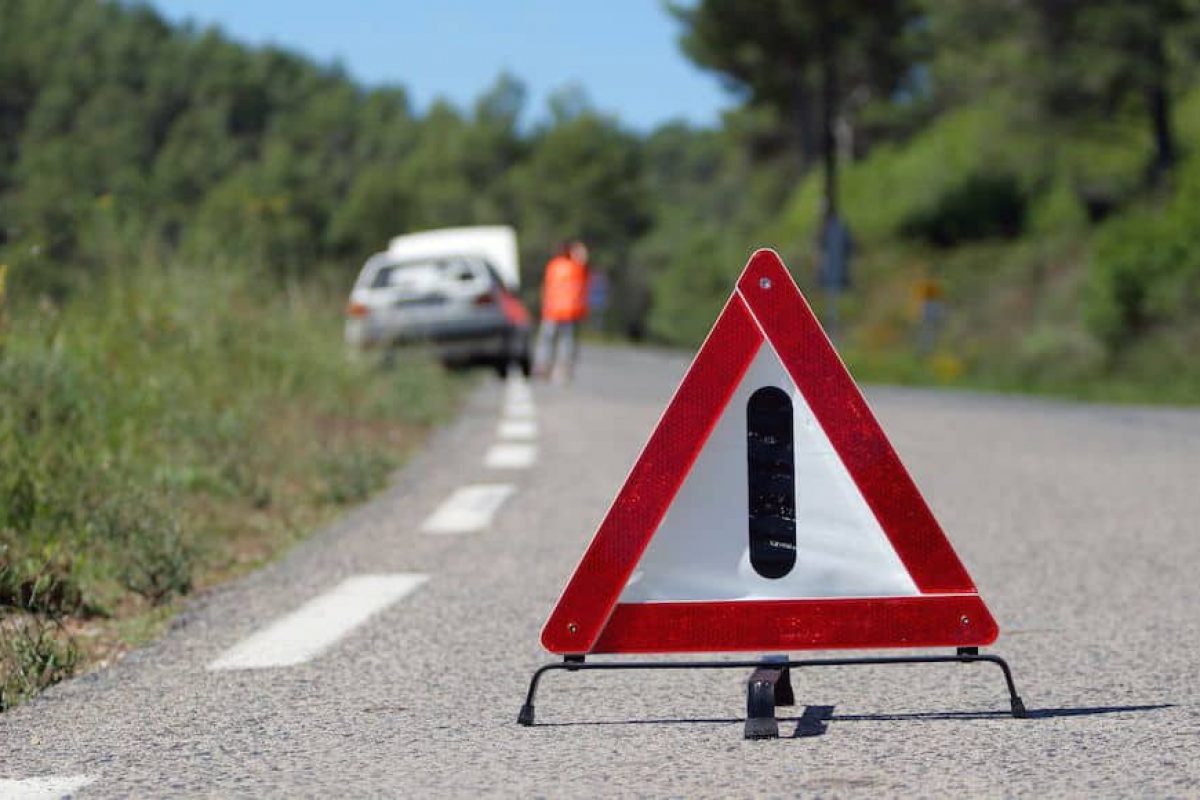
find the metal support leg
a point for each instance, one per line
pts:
(784, 696)
(571, 663)
(775, 687)
(968, 655)
(760, 703)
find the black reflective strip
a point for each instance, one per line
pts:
(772, 482)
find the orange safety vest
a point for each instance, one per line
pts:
(564, 290)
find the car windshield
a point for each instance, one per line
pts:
(424, 275)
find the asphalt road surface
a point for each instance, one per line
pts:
(388, 656)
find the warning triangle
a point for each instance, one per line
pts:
(768, 511)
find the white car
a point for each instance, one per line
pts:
(453, 289)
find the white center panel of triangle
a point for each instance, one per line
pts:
(701, 549)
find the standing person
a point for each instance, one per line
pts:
(564, 307)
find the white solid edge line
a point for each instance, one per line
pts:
(318, 624)
(50, 787)
(469, 508)
(510, 455)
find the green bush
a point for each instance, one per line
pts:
(984, 206)
(351, 477)
(37, 586)
(1145, 271)
(897, 180)
(1057, 210)
(142, 536)
(34, 653)
(692, 287)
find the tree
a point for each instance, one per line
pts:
(1102, 55)
(1076, 63)
(583, 178)
(806, 59)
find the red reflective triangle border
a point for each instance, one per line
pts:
(767, 305)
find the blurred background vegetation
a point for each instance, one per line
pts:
(181, 216)
(1031, 156)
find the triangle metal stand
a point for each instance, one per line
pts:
(770, 684)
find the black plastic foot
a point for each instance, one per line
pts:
(1018, 708)
(526, 716)
(762, 728)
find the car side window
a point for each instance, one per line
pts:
(383, 277)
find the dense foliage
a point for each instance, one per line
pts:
(948, 125)
(116, 129)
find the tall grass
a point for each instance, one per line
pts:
(167, 427)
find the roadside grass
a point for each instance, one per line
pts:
(34, 653)
(166, 429)
(1013, 322)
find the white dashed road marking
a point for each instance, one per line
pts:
(319, 623)
(48, 788)
(517, 429)
(519, 410)
(510, 455)
(519, 390)
(469, 509)
(518, 399)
